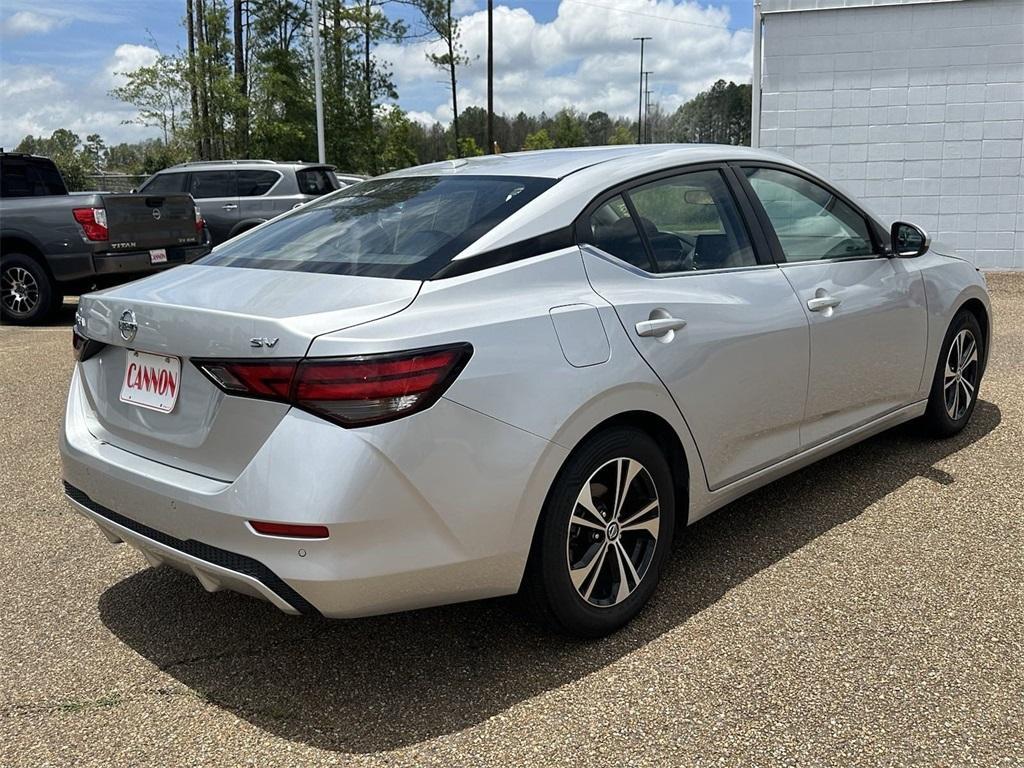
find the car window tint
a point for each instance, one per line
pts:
(403, 227)
(28, 178)
(165, 184)
(613, 230)
(810, 222)
(692, 223)
(315, 181)
(213, 184)
(256, 183)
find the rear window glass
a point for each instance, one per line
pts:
(405, 227)
(165, 184)
(28, 178)
(256, 183)
(315, 181)
(213, 184)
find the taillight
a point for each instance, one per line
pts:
(84, 347)
(94, 223)
(350, 391)
(200, 222)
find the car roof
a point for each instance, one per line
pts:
(230, 165)
(559, 163)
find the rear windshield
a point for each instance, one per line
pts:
(406, 227)
(24, 177)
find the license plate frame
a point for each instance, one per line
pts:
(151, 381)
(158, 256)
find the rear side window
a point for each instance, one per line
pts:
(27, 178)
(810, 222)
(679, 224)
(315, 181)
(256, 183)
(213, 184)
(407, 227)
(165, 184)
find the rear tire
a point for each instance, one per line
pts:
(27, 292)
(603, 537)
(957, 377)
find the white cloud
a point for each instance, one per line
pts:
(127, 58)
(24, 23)
(584, 58)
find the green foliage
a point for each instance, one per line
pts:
(539, 140)
(469, 148)
(568, 129)
(622, 135)
(63, 148)
(598, 128)
(158, 92)
(720, 115)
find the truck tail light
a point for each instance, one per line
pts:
(94, 223)
(350, 391)
(200, 221)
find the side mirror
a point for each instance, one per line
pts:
(908, 241)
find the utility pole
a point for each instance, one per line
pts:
(318, 85)
(640, 105)
(755, 83)
(490, 77)
(647, 107)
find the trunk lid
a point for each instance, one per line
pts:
(140, 222)
(200, 312)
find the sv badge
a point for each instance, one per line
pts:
(263, 342)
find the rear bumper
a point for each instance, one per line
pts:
(141, 261)
(215, 568)
(435, 508)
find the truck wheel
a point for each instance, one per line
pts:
(27, 293)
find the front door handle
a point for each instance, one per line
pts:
(823, 302)
(229, 206)
(659, 326)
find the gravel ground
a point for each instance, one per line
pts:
(864, 611)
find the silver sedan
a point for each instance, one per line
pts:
(513, 374)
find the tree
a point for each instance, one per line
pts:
(720, 115)
(63, 148)
(538, 140)
(568, 128)
(622, 135)
(158, 91)
(438, 15)
(598, 128)
(469, 148)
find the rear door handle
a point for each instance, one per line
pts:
(820, 303)
(659, 326)
(229, 206)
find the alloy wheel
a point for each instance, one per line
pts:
(19, 291)
(960, 379)
(613, 532)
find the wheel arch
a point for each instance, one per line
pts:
(977, 308)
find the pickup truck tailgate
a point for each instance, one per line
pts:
(143, 221)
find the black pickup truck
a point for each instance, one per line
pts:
(53, 243)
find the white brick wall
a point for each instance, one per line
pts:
(915, 109)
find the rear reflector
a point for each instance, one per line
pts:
(291, 530)
(350, 391)
(94, 223)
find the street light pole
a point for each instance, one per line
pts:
(318, 85)
(640, 105)
(490, 77)
(647, 107)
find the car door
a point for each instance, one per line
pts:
(867, 312)
(722, 329)
(217, 196)
(262, 194)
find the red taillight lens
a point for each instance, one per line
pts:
(291, 530)
(352, 391)
(200, 222)
(94, 223)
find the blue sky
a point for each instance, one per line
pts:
(59, 59)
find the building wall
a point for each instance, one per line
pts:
(916, 109)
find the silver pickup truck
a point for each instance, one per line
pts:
(53, 243)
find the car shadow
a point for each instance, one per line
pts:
(380, 683)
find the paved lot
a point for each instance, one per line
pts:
(865, 611)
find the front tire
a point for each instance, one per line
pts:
(27, 294)
(604, 535)
(957, 377)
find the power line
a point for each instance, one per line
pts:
(652, 15)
